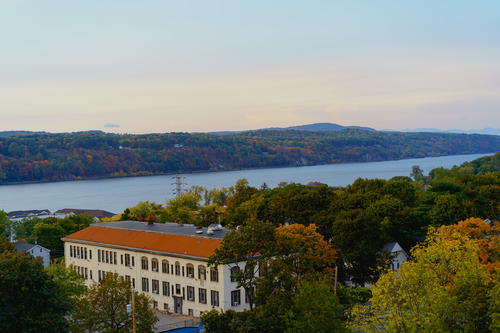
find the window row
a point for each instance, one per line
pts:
(79, 252)
(83, 272)
(177, 269)
(184, 292)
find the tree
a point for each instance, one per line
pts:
(5, 225)
(69, 281)
(30, 300)
(485, 235)
(417, 173)
(104, 308)
(445, 289)
(315, 308)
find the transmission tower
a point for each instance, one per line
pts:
(178, 182)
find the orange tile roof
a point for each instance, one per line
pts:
(148, 241)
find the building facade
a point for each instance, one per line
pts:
(166, 261)
(36, 251)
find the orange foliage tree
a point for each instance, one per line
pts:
(485, 234)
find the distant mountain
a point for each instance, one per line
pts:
(487, 131)
(316, 127)
(326, 127)
(4, 134)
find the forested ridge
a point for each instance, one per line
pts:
(68, 156)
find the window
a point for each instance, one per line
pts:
(214, 298)
(99, 255)
(107, 257)
(90, 274)
(154, 265)
(133, 283)
(127, 278)
(165, 307)
(234, 273)
(177, 268)
(155, 286)
(202, 272)
(133, 263)
(190, 312)
(177, 289)
(71, 250)
(90, 254)
(190, 270)
(235, 297)
(164, 266)
(121, 259)
(86, 273)
(145, 284)
(84, 252)
(166, 288)
(144, 263)
(190, 293)
(127, 260)
(155, 304)
(114, 258)
(202, 295)
(183, 271)
(214, 274)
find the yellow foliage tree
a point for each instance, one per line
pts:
(444, 289)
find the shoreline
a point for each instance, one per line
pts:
(225, 170)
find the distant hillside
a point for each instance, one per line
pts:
(327, 127)
(484, 164)
(486, 131)
(316, 127)
(67, 156)
(18, 133)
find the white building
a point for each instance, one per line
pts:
(166, 261)
(36, 251)
(398, 255)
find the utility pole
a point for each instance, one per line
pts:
(335, 285)
(134, 325)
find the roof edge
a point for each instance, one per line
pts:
(178, 255)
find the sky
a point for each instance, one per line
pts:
(131, 66)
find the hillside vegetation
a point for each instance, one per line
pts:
(68, 156)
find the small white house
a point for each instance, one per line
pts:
(397, 253)
(36, 251)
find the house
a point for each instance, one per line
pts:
(36, 251)
(398, 255)
(166, 261)
(22, 214)
(97, 213)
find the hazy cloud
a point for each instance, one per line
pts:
(111, 125)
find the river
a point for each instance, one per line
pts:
(116, 194)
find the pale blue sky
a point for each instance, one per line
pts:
(155, 66)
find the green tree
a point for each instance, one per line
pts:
(103, 308)
(30, 300)
(315, 308)
(5, 225)
(69, 281)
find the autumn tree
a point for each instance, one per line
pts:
(277, 260)
(485, 234)
(444, 289)
(103, 308)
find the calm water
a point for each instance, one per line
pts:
(119, 193)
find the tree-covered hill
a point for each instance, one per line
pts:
(67, 156)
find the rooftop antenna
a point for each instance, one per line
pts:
(178, 182)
